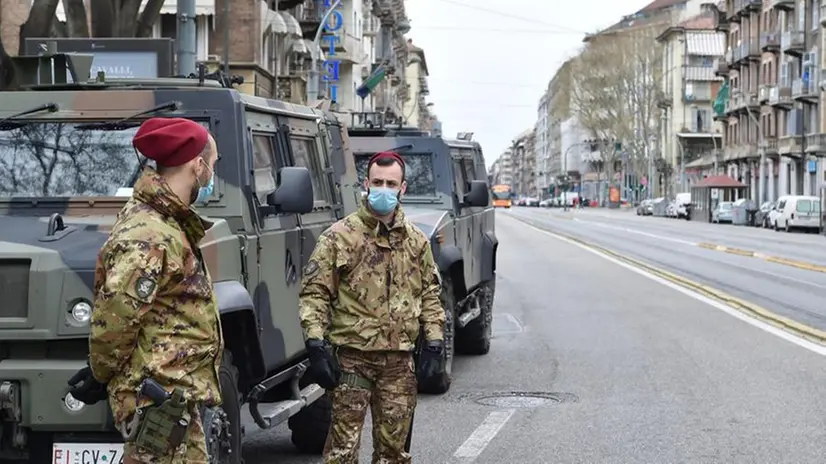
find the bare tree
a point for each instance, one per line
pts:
(111, 18)
(614, 93)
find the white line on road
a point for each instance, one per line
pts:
(801, 342)
(638, 232)
(482, 436)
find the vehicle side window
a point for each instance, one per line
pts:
(470, 170)
(804, 206)
(306, 156)
(264, 166)
(781, 205)
(459, 178)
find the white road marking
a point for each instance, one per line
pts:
(482, 436)
(801, 342)
(638, 232)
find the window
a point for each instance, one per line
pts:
(305, 155)
(459, 179)
(54, 159)
(418, 172)
(263, 166)
(804, 206)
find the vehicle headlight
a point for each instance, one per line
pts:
(81, 312)
(73, 404)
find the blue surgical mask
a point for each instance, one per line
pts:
(206, 191)
(383, 200)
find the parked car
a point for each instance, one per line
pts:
(796, 212)
(671, 209)
(761, 217)
(644, 208)
(722, 212)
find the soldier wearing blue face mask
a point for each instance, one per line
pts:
(369, 285)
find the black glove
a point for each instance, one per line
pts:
(430, 359)
(323, 365)
(90, 391)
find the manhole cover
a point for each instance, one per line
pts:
(525, 399)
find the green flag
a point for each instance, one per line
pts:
(720, 102)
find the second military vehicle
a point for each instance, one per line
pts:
(66, 169)
(448, 198)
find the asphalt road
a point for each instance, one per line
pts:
(642, 373)
(671, 244)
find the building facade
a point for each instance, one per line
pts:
(690, 139)
(501, 171)
(559, 108)
(542, 142)
(774, 126)
(416, 109)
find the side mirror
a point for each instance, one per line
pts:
(478, 196)
(294, 194)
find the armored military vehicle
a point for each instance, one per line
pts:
(448, 198)
(66, 168)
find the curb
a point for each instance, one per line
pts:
(774, 259)
(802, 330)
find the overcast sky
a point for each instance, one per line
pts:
(490, 61)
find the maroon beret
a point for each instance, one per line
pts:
(170, 141)
(386, 155)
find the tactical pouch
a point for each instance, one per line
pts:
(161, 428)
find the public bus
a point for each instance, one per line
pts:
(502, 196)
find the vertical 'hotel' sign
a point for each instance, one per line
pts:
(335, 22)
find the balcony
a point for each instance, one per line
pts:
(770, 41)
(721, 67)
(781, 96)
(371, 26)
(792, 141)
(751, 98)
(805, 90)
(765, 90)
(792, 43)
(770, 144)
(815, 143)
(787, 5)
(750, 49)
(742, 7)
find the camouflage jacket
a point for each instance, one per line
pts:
(155, 314)
(367, 286)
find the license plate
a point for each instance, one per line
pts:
(87, 453)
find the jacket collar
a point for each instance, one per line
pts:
(372, 223)
(152, 190)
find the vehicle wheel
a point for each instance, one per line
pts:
(787, 228)
(222, 425)
(440, 383)
(311, 425)
(474, 338)
(776, 229)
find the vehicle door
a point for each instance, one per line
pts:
(279, 255)
(464, 218)
(307, 152)
(477, 224)
(780, 214)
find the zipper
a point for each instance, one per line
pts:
(389, 277)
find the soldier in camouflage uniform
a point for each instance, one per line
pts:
(368, 286)
(155, 312)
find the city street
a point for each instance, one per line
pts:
(623, 368)
(673, 245)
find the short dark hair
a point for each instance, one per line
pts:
(384, 162)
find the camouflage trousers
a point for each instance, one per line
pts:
(385, 382)
(192, 450)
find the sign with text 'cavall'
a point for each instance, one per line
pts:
(332, 66)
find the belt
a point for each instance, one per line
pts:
(355, 380)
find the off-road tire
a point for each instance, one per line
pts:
(474, 338)
(231, 405)
(309, 428)
(440, 383)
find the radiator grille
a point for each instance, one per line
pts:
(14, 288)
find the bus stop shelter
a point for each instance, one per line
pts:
(708, 192)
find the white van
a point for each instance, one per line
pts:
(796, 211)
(682, 200)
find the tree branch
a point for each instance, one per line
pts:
(150, 15)
(76, 19)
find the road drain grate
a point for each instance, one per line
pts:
(525, 399)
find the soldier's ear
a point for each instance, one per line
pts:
(403, 187)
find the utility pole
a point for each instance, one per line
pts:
(187, 55)
(313, 81)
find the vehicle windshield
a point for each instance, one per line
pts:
(418, 173)
(54, 159)
(502, 195)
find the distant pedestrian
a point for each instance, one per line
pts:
(156, 315)
(369, 284)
